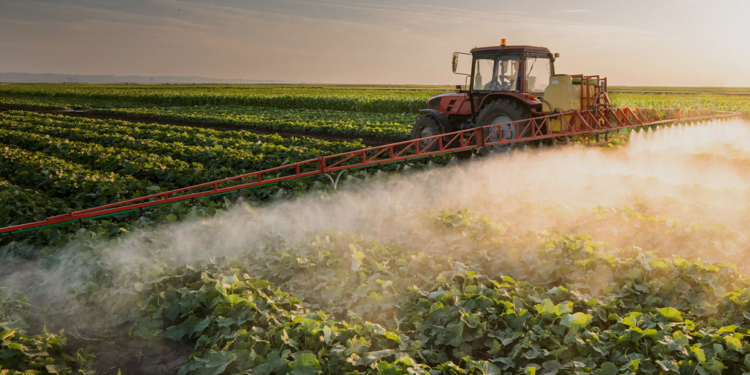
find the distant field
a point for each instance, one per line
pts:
(378, 113)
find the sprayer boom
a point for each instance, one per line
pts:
(586, 125)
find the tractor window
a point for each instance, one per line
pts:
(496, 74)
(483, 72)
(538, 71)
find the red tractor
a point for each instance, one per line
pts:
(506, 84)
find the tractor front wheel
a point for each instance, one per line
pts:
(501, 111)
(426, 126)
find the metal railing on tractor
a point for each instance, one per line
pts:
(586, 123)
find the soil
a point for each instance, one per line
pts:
(141, 358)
(368, 141)
(115, 354)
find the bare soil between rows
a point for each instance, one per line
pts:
(368, 141)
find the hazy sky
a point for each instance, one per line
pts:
(633, 42)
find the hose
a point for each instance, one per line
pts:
(556, 110)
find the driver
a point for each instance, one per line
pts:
(505, 80)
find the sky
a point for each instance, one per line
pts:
(633, 42)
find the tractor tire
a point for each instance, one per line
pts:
(426, 126)
(497, 112)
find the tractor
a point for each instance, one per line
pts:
(507, 84)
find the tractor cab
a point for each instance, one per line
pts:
(522, 71)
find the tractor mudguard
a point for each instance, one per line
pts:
(442, 120)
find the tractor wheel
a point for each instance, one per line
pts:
(498, 112)
(426, 126)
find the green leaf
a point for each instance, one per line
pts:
(305, 363)
(456, 335)
(672, 314)
(177, 332)
(715, 366)
(562, 309)
(355, 264)
(733, 343)
(680, 338)
(630, 321)
(699, 353)
(579, 319)
(668, 365)
(608, 368)
(551, 367)
(375, 356)
(635, 364)
(214, 363)
(327, 334)
(547, 307)
(392, 336)
(488, 368)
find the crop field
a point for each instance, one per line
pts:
(628, 259)
(50, 164)
(382, 114)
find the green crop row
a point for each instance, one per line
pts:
(383, 125)
(395, 126)
(221, 161)
(696, 101)
(21, 205)
(357, 101)
(382, 99)
(58, 178)
(174, 133)
(51, 164)
(159, 170)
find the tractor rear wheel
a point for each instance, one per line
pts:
(426, 126)
(498, 112)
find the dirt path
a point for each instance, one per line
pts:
(369, 141)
